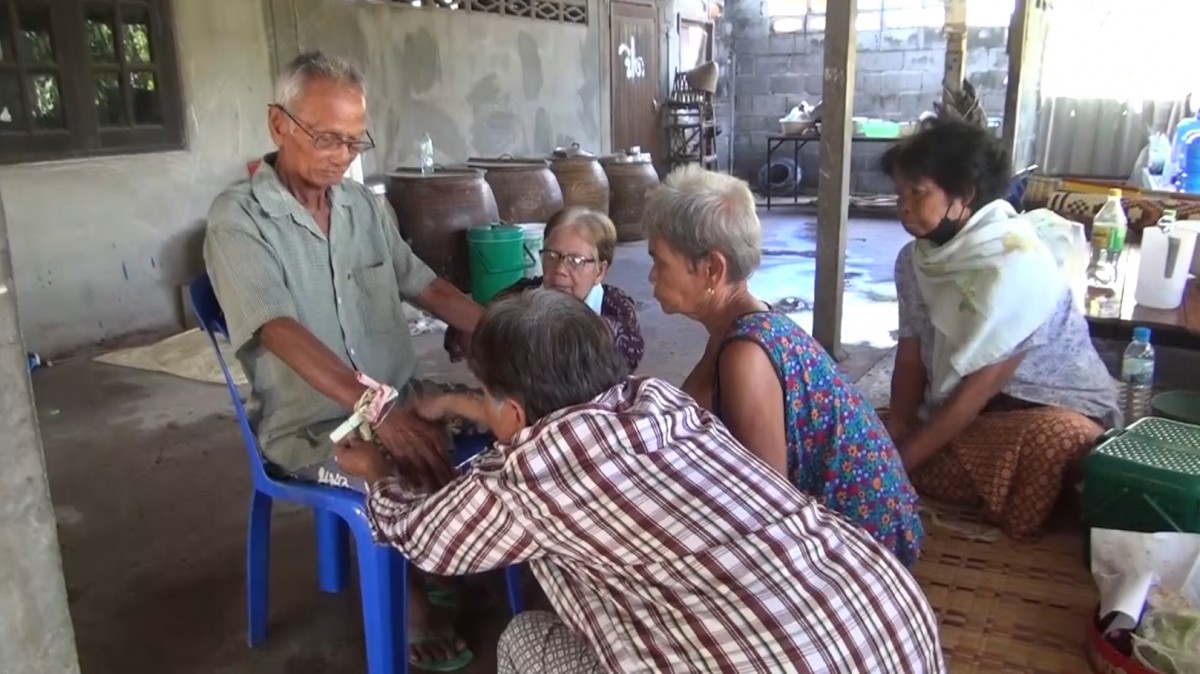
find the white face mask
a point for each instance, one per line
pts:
(595, 297)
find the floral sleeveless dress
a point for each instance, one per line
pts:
(838, 450)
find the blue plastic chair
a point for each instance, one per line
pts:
(382, 570)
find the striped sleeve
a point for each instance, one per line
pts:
(247, 278)
(463, 528)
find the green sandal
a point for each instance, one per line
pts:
(464, 657)
(441, 596)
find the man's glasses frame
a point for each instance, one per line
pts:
(327, 142)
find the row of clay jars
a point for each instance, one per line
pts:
(433, 211)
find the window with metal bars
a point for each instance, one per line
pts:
(562, 11)
(83, 78)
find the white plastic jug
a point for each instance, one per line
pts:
(1165, 262)
(535, 234)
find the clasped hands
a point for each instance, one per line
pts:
(410, 442)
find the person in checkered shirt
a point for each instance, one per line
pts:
(662, 543)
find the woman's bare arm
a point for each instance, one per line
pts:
(752, 402)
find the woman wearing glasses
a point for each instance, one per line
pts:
(577, 253)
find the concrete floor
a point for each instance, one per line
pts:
(150, 485)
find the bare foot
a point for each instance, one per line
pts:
(431, 638)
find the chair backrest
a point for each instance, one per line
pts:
(212, 322)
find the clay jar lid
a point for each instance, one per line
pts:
(503, 163)
(572, 152)
(633, 155)
(439, 173)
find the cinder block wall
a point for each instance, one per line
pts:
(898, 76)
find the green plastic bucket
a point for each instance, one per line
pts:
(497, 259)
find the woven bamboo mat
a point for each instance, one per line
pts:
(1006, 606)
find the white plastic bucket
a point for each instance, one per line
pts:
(535, 234)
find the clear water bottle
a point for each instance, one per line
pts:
(1109, 228)
(1137, 376)
(426, 155)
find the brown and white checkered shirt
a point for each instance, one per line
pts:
(668, 546)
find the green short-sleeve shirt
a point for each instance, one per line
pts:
(268, 259)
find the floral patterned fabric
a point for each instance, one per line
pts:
(838, 450)
(617, 309)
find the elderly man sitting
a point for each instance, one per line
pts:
(663, 545)
(310, 274)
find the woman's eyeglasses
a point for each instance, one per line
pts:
(327, 142)
(573, 262)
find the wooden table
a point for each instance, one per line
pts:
(1115, 315)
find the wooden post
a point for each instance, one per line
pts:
(1022, 102)
(956, 50)
(833, 195)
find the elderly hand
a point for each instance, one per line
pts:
(433, 408)
(363, 459)
(418, 447)
(900, 430)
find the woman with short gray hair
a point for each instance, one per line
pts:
(775, 388)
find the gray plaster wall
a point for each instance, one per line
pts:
(898, 76)
(478, 84)
(100, 246)
(36, 635)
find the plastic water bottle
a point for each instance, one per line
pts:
(1109, 228)
(1110, 225)
(1178, 156)
(1189, 179)
(1137, 376)
(426, 155)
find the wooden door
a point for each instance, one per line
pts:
(633, 50)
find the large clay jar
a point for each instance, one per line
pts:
(581, 178)
(435, 210)
(525, 189)
(378, 186)
(630, 175)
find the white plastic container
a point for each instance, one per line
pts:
(535, 234)
(1165, 263)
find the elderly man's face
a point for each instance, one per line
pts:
(504, 418)
(326, 112)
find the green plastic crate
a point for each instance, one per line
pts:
(1145, 478)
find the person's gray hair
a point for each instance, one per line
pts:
(696, 212)
(545, 349)
(313, 66)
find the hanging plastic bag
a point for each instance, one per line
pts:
(1158, 152)
(1069, 246)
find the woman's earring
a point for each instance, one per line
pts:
(710, 292)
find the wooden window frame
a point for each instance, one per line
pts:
(82, 135)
